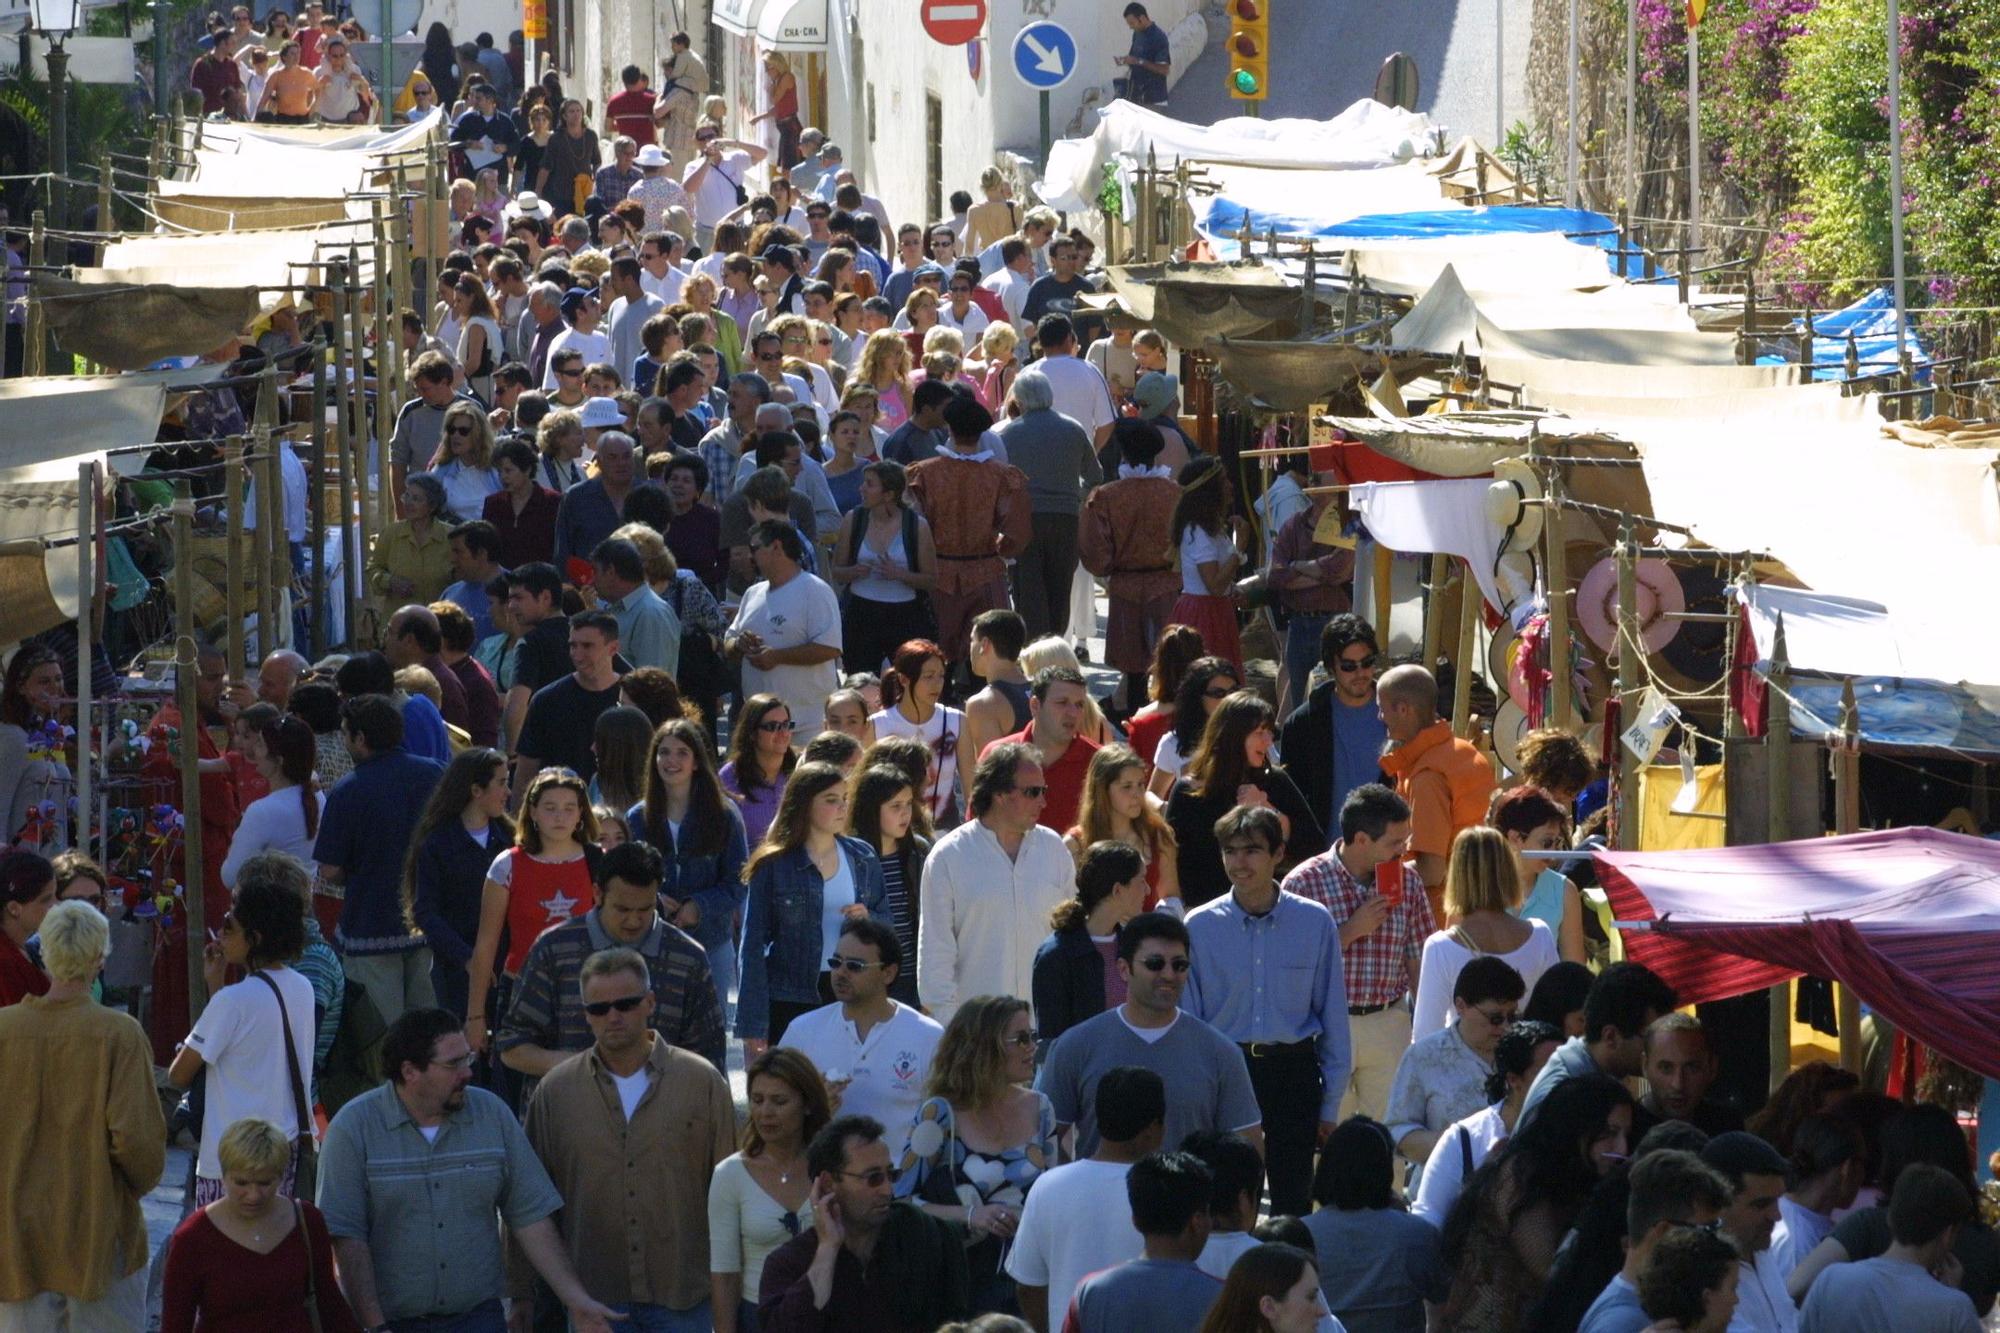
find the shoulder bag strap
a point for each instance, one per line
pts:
(910, 537)
(1464, 1153)
(312, 1278)
(291, 1061)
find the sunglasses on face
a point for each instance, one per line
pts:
(623, 1006)
(773, 728)
(837, 963)
(1024, 1039)
(1032, 793)
(568, 374)
(1365, 664)
(874, 1179)
(458, 430)
(960, 289)
(1218, 692)
(1160, 963)
(1500, 1019)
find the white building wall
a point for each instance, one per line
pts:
(611, 36)
(981, 117)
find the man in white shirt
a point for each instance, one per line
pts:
(874, 1052)
(1012, 280)
(712, 180)
(787, 636)
(1077, 1220)
(989, 887)
(1080, 392)
(581, 311)
(1756, 1173)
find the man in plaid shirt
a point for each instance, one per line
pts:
(1381, 941)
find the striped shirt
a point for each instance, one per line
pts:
(548, 1008)
(896, 900)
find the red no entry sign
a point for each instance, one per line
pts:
(954, 22)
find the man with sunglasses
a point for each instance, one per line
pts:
(420, 422)
(827, 1279)
(1332, 743)
(638, 1237)
(787, 629)
(910, 257)
(1268, 976)
(960, 311)
(1208, 1082)
(548, 1019)
(415, 1177)
(990, 885)
(874, 1052)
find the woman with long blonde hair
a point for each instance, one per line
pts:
(1116, 807)
(981, 1128)
(884, 366)
(783, 90)
(1482, 887)
(995, 366)
(464, 461)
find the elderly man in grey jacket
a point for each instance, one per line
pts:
(1061, 463)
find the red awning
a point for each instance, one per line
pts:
(1909, 919)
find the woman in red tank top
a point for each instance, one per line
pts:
(541, 881)
(784, 110)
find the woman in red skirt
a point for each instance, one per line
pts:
(1211, 549)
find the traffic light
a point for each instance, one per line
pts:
(1249, 49)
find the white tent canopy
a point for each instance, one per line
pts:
(1450, 317)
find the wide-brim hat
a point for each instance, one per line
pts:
(651, 156)
(528, 204)
(1656, 590)
(1515, 483)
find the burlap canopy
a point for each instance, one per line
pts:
(128, 327)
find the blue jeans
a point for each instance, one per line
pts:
(485, 1317)
(663, 1319)
(1301, 654)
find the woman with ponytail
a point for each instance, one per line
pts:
(911, 690)
(286, 820)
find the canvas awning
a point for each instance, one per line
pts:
(1624, 319)
(778, 25)
(127, 326)
(1191, 300)
(1908, 919)
(1528, 262)
(1292, 376)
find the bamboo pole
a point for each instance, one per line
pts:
(315, 646)
(106, 222)
(1778, 828)
(34, 341)
(1555, 566)
(1847, 819)
(270, 486)
(1629, 649)
(346, 375)
(388, 342)
(86, 628)
(186, 663)
(1469, 604)
(1440, 576)
(232, 554)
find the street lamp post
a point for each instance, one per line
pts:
(57, 21)
(160, 58)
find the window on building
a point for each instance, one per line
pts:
(934, 154)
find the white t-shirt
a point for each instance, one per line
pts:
(803, 611)
(1199, 548)
(1444, 1174)
(716, 197)
(631, 1087)
(1168, 757)
(1224, 1248)
(596, 349)
(1080, 392)
(886, 1071)
(836, 896)
(242, 1045)
(1077, 1221)
(273, 823)
(668, 286)
(1445, 958)
(944, 722)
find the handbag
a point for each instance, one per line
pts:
(312, 1280)
(305, 1175)
(742, 195)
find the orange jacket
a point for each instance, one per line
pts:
(1447, 783)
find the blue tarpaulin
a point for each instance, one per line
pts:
(1872, 322)
(1224, 221)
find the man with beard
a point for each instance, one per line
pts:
(411, 1178)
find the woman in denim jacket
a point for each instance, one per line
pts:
(699, 834)
(805, 878)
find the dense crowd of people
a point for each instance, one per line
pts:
(731, 689)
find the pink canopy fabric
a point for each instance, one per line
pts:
(1907, 918)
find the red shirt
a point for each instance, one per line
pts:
(230, 1288)
(1064, 778)
(19, 978)
(1143, 735)
(632, 113)
(541, 894)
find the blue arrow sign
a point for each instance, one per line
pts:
(1044, 56)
